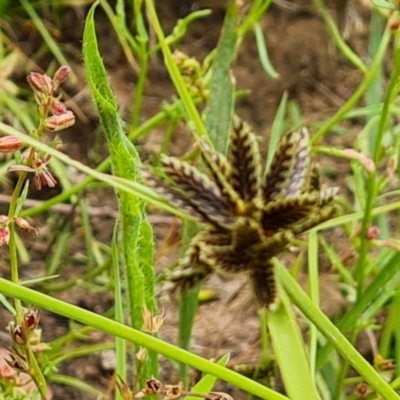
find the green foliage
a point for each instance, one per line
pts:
(247, 213)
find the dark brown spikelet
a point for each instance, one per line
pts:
(314, 184)
(216, 163)
(318, 216)
(280, 214)
(190, 271)
(220, 171)
(249, 221)
(289, 168)
(227, 259)
(244, 158)
(204, 195)
(185, 277)
(263, 283)
(171, 194)
(327, 195)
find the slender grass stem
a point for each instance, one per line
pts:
(356, 96)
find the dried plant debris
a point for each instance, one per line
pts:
(249, 216)
(154, 387)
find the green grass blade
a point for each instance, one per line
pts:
(188, 303)
(263, 53)
(379, 283)
(77, 383)
(120, 346)
(290, 352)
(134, 188)
(206, 383)
(51, 43)
(114, 328)
(192, 115)
(333, 30)
(374, 92)
(356, 96)
(313, 278)
(337, 262)
(332, 333)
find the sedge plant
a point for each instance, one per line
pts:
(314, 366)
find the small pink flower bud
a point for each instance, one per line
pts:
(62, 74)
(26, 226)
(58, 122)
(4, 235)
(366, 162)
(9, 144)
(40, 83)
(391, 166)
(6, 371)
(57, 107)
(373, 232)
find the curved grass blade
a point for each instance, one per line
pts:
(114, 328)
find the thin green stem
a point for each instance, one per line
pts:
(389, 328)
(12, 244)
(314, 293)
(337, 38)
(355, 97)
(371, 183)
(265, 358)
(258, 9)
(139, 91)
(187, 101)
(14, 269)
(36, 372)
(364, 245)
(47, 37)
